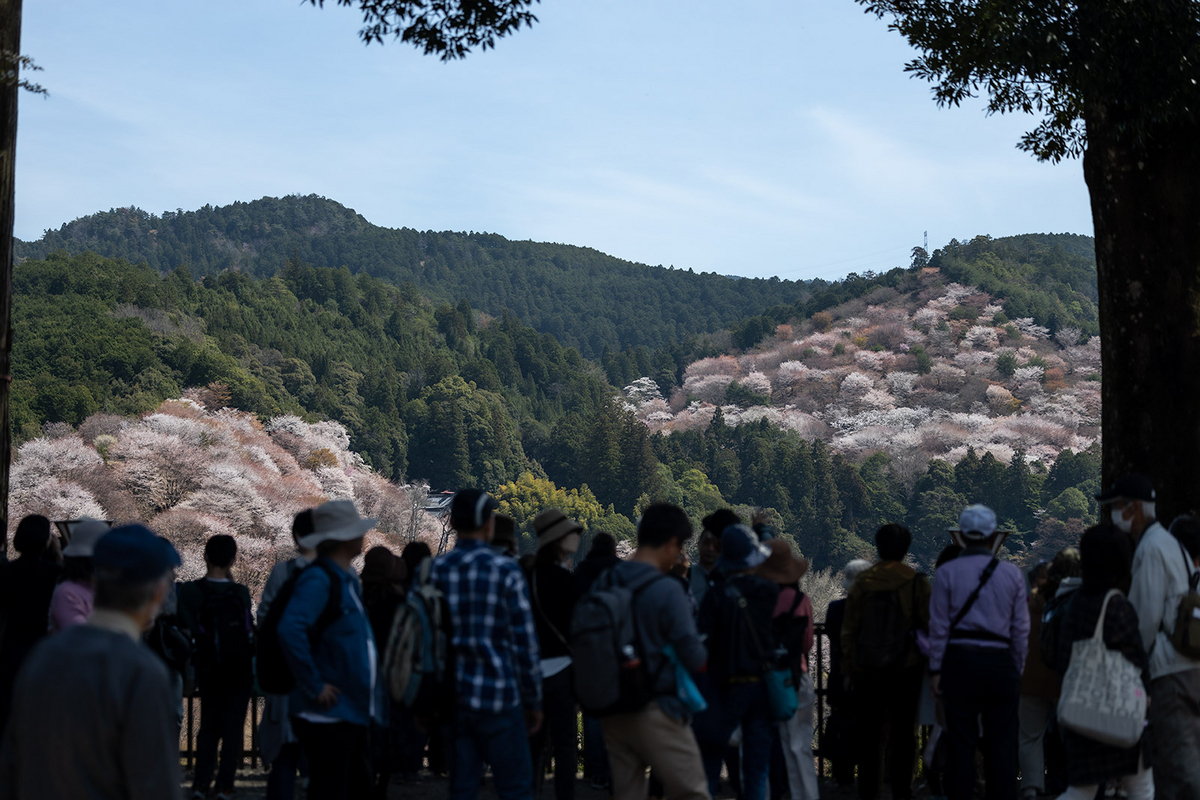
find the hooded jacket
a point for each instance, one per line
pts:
(886, 576)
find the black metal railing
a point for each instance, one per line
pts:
(252, 757)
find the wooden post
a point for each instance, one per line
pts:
(10, 46)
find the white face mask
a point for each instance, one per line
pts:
(1122, 524)
(570, 544)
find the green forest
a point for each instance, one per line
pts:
(443, 392)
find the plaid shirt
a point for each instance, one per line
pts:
(494, 638)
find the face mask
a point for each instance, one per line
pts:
(570, 544)
(1122, 524)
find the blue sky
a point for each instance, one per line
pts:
(783, 139)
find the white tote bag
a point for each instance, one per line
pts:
(1102, 694)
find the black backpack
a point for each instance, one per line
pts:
(274, 674)
(224, 637)
(885, 634)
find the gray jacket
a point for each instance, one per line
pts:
(664, 615)
(93, 718)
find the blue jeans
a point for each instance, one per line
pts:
(500, 740)
(745, 704)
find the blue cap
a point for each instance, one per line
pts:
(977, 522)
(133, 554)
(741, 549)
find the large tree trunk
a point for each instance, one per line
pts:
(10, 44)
(1146, 211)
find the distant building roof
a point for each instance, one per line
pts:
(439, 503)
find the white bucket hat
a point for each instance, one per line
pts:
(336, 521)
(84, 538)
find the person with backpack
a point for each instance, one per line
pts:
(978, 640)
(277, 741)
(601, 556)
(1163, 579)
(495, 656)
(555, 592)
(886, 607)
(1107, 556)
(792, 627)
(216, 612)
(736, 615)
(383, 579)
(624, 672)
(330, 650)
(1040, 683)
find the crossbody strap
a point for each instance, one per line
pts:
(743, 606)
(553, 628)
(967, 606)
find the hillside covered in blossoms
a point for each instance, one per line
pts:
(925, 373)
(191, 472)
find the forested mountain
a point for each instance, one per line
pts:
(899, 396)
(584, 298)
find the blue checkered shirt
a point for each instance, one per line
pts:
(494, 638)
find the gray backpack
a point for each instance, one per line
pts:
(607, 659)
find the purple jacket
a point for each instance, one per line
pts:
(999, 618)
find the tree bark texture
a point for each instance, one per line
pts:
(1146, 212)
(10, 43)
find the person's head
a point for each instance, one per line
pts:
(852, 570)
(133, 572)
(558, 536)
(1065, 564)
(977, 529)
(1186, 528)
(741, 550)
(709, 546)
(472, 514)
(302, 528)
(603, 546)
(413, 554)
(379, 566)
(504, 535)
(782, 567)
(1039, 575)
(77, 555)
(1131, 502)
(662, 532)
(892, 541)
(948, 554)
(338, 531)
(32, 536)
(220, 551)
(1106, 555)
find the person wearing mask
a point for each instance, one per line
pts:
(601, 556)
(841, 730)
(216, 611)
(25, 596)
(498, 678)
(736, 615)
(554, 593)
(708, 552)
(338, 693)
(887, 606)
(1161, 572)
(658, 736)
(93, 714)
(1107, 556)
(792, 626)
(978, 640)
(383, 578)
(71, 603)
(277, 741)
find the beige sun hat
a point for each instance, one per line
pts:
(336, 521)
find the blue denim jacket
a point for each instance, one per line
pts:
(345, 655)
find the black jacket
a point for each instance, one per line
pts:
(587, 572)
(730, 643)
(554, 593)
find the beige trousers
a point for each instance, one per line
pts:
(650, 739)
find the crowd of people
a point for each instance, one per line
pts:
(687, 675)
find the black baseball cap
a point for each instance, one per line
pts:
(1132, 486)
(471, 509)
